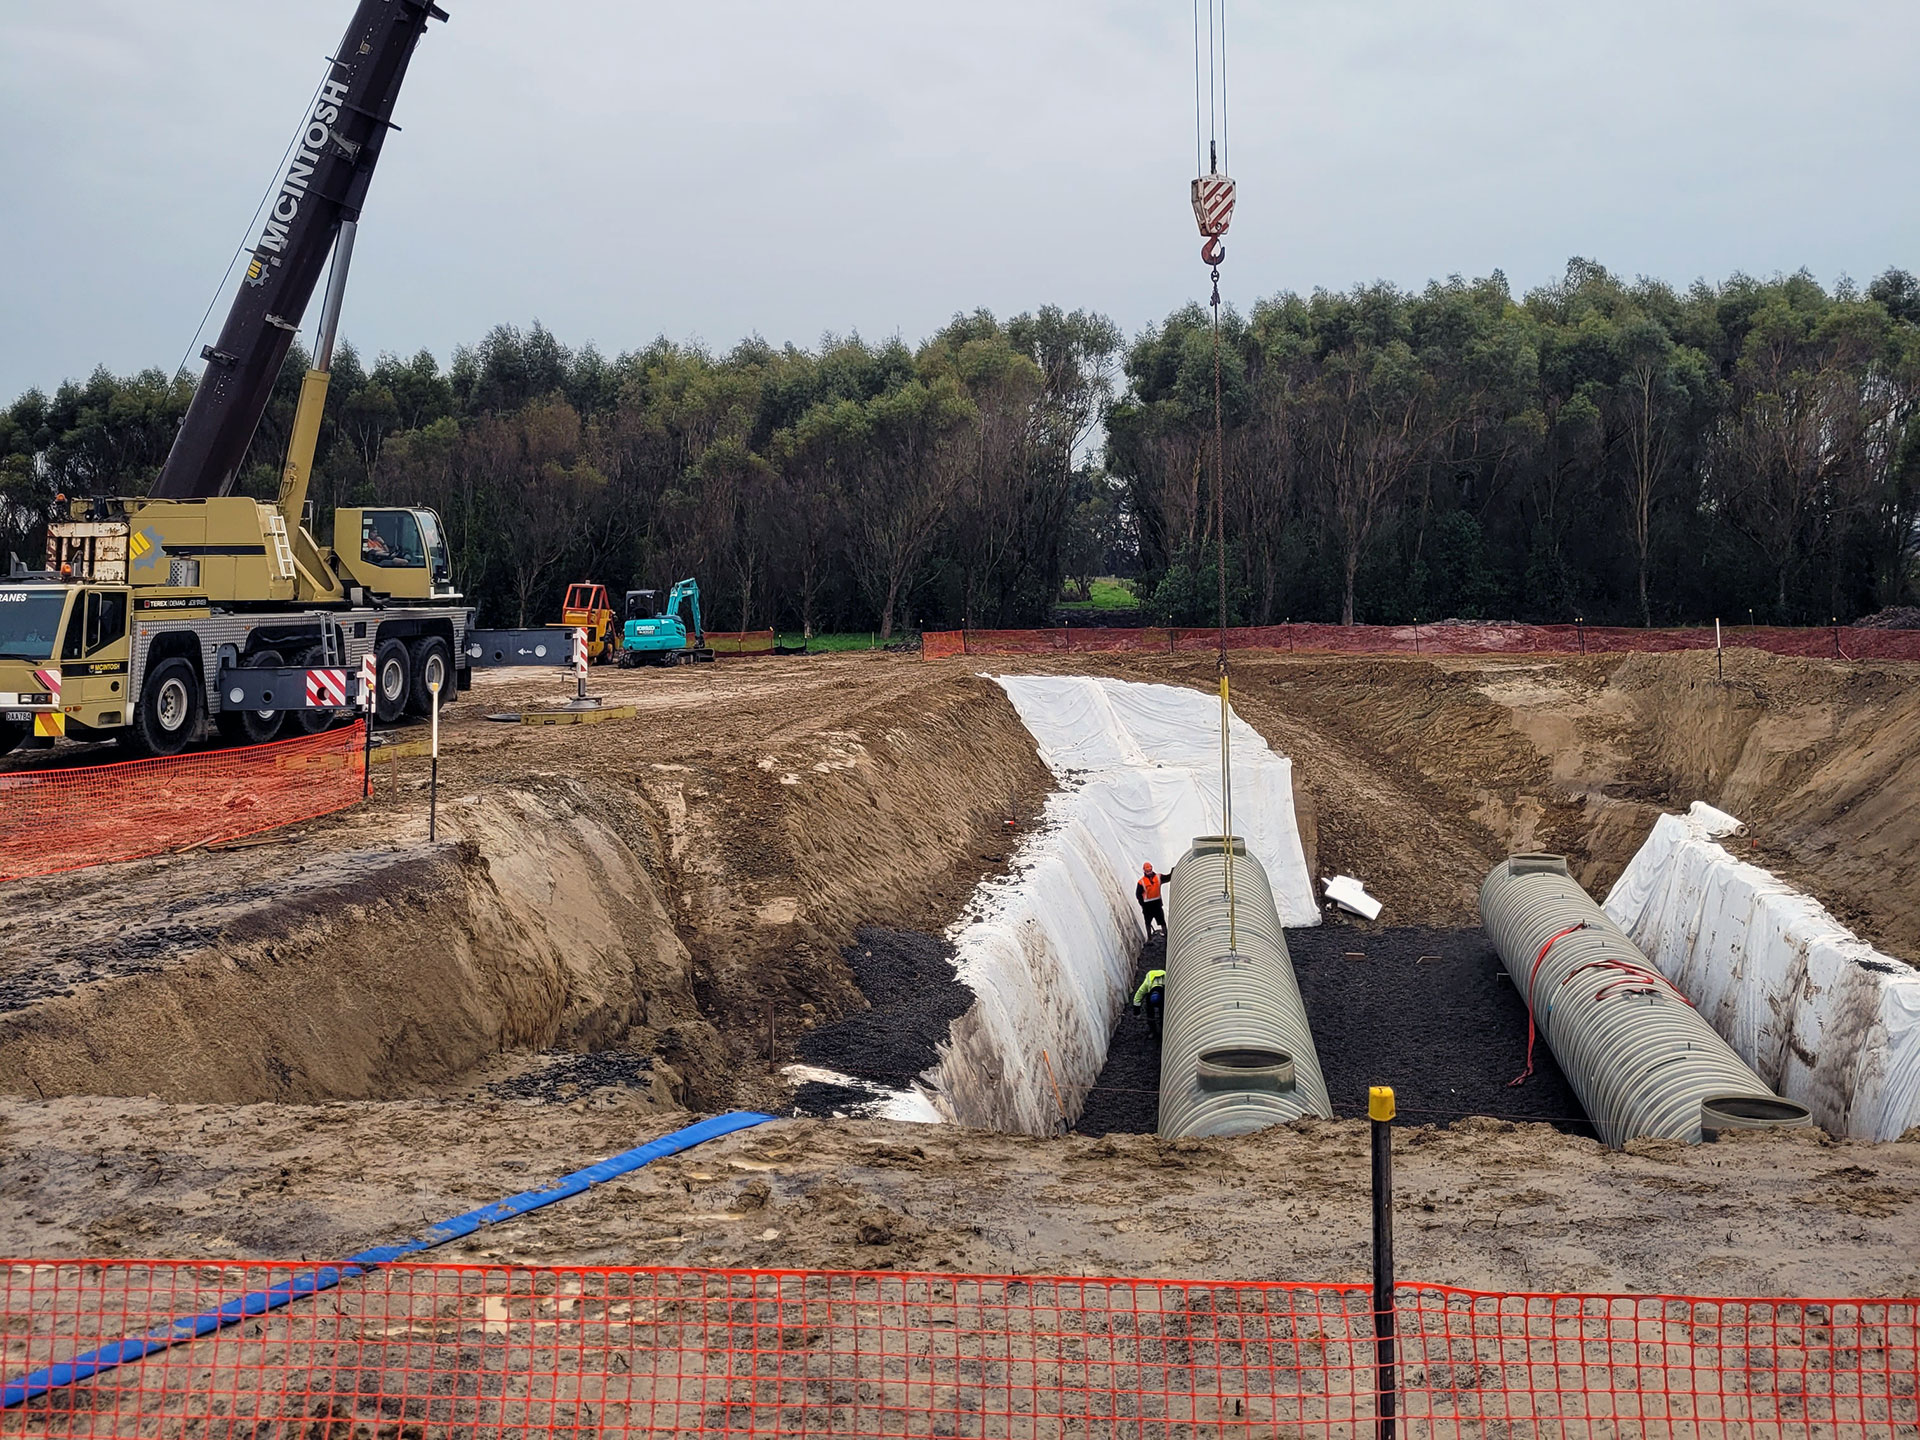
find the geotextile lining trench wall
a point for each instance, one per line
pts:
(1049, 952)
(1822, 1016)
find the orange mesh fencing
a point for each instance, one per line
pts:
(445, 1350)
(1830, 642)
(52, 820)
(740, 642)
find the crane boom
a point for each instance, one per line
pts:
(325, 183)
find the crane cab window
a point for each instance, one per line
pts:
(99, 618)
(30, 623)
(436, 545)
(391, 538)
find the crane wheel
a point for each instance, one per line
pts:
(173, 701)
(392, 681)
(252, 727)
(429, 659)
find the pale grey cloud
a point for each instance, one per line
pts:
(624, 169)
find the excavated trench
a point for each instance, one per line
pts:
(1428, 1009)
(855, 900)
(366, 974)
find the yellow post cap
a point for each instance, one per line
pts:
(1380, 1102)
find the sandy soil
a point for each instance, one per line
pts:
(1484, 1204)
(654, 889)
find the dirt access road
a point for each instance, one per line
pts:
(324, 1024)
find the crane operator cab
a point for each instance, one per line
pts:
(63, 661)
(397, 553)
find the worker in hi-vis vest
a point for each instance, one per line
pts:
(1147, 892)
(1152, 994)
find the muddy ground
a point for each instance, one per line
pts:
(320, 1041)
(1485, 1204)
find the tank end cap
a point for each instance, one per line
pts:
(1720, 1113)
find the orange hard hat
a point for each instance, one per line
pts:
(1147, 868)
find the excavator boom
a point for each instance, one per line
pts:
(325, 183)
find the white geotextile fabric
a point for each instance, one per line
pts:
(1822, 1016)
(1049, 953)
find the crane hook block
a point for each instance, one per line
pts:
(1213, 204)
(1212, 252)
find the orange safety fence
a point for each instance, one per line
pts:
(53, 820)
(498, 1350)
(740, 642)
(1831, 642)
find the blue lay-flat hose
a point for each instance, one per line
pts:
(259, 1302)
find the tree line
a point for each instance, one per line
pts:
(1622, 453)
(1625, 453)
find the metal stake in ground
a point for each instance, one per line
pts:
(366, 710)
(433, 768)
(1386, 1392)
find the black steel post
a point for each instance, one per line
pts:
(366, 758)
(1386, 1395)
(433, 768)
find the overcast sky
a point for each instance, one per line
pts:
(622, 169)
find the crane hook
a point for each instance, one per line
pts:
(1212, 252)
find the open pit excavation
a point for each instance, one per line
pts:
(1049, 952)
(1207, 1023)
(312, 1047)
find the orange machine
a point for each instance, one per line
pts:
(587, 608)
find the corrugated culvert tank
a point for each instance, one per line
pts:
(1236, 1054)
(1643, 1061)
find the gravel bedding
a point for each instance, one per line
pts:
(824, 1101)
(908, 979)
(1125, 1100)
(1430, 1012)
(562, 1076)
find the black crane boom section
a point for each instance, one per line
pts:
(325, 183)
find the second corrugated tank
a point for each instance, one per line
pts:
(1236, 1054)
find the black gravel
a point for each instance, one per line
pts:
(561, 1077)
(1429, 1012)
(1125, 1100)
(909, 982)
(825, 1100)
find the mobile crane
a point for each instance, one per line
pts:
(153, 613)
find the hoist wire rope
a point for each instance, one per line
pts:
(1213, 109)
(1225, 168)
(1199, 130)
(253, 226)
(1213, 160)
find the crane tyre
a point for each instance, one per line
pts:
(392, 681)
(252, 727)
(11, 734)
(172, 704)
(429, 658)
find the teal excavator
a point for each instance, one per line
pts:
(659, 637)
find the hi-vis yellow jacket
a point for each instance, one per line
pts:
(1154, 981)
